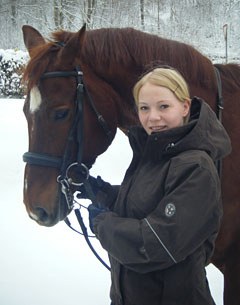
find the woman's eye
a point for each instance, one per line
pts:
(60, 114)
(163, 106)
(143, 108)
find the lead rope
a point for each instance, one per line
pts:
(79, 217)
(77, 212)
(86, 236)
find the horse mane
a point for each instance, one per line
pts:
(125, 47)
(130, 47)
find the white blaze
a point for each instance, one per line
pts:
(35, 99)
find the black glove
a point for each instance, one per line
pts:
(96, 184)
(94, 211)
(101, 191)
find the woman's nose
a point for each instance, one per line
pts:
(154, 115)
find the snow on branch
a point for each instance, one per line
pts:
(11, 66)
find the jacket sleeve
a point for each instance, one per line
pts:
(163, 238)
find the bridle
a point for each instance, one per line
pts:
(64, 164)
(220, 107)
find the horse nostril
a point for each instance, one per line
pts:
(41, 214)
(43, 217)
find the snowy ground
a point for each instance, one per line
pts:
(52, 265)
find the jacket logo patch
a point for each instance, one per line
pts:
(170, 210)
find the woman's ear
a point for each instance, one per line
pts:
(186, 107)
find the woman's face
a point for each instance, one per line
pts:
(159, 109)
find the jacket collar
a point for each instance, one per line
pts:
(202, 132)
(157, 145)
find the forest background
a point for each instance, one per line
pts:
(212, 26)
(37, 263)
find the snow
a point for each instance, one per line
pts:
(11, 54)
(52, 265)
(11, 63)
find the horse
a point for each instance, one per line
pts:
(90, 75)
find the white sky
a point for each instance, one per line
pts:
(42, 266)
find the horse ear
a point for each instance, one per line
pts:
(72, 49)
(31, 37)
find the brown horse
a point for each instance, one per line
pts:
(110, 61)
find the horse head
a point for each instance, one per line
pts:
(66, 124)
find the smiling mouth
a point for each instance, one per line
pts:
(157, 128)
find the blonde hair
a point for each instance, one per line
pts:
(164, 77)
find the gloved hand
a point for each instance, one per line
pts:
(96, 184)
(94, 211)
(103, 192)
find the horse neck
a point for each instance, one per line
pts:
(120, 66)
(117, 82)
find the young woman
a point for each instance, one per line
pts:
(160, 225)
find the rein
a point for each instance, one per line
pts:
(64, 163)
(220, 101)
(220, 107)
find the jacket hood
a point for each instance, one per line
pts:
(203, 132)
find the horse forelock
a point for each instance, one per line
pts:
(41, 56)
(37, 64)
(61, 36)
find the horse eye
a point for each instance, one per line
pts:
(61, 114)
